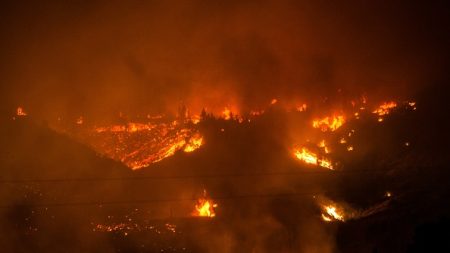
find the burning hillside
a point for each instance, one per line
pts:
(138, 145)
(224, 126)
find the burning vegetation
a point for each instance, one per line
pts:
(205, 207)
(310, 158)
(310, 129)
(329, 123)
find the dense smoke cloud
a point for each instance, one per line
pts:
(73, 57)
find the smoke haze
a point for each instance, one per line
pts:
(100, 58)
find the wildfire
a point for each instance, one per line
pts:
(138, 145)
(322, 144)
(130, 128)
(194, 143)
(195, 119)
(331, 212)
(329, 123)
(21, 112)
(385, 108)
(226, 113)
(309, 157)
(205, 207)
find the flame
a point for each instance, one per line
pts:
(130, 128)
(205, 207)
(138, 145)
(21, 112)
(194, 143)
(79, 120)
(195, 119)
(329, 123)
(322, 144)
(384, 109)
(273, 101)
(226, 113)
(309, 157)
(301, 108)
(332, 212)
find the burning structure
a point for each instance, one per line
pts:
(277, 126)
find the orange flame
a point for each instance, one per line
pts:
(332, 212)
(309, 157)
(194, 143)
(322, 144)
(205, 207)
(329, 123)
(385, 108)
(226, 113)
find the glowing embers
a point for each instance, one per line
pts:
(329, 123)
(412, 105)
(125, 228)
(184, 139)
(309, 157)
(20, 111)
(205, 207)
(301, 108)
(130, 127)
(138, 145)
(384, 109)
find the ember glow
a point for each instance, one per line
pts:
(301, 108)
(329, 123)
(385, 108)
(309, 157)
(20, 111)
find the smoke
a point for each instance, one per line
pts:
(96, 59)
(74, 58)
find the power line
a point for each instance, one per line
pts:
(210, 176)
(161, 200)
